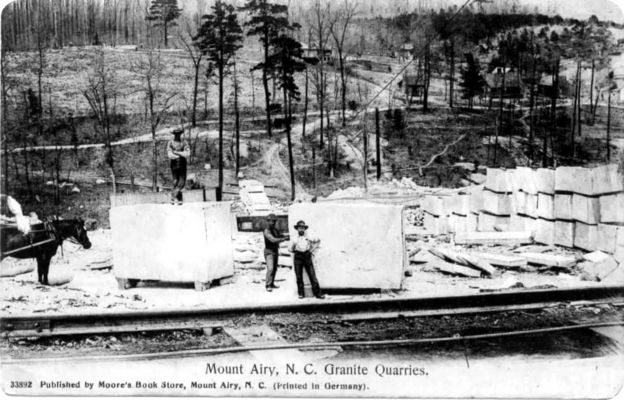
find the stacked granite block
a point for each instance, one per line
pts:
(495, 212)
(568, 206)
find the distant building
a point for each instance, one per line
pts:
(312, 55)
(494, 84)
(405, 52)
(545, 87)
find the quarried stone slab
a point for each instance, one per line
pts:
(585, 209)
(350, 254)
(178, 243)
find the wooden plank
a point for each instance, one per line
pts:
(464, 259)
(455, 269)
(479, 264)
(515, 237)
(502, 260)
(550, 260)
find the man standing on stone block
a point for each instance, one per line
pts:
(272, 239)
(302, 248)
(178, 151)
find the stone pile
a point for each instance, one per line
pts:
(254, 197)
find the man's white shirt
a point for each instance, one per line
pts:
(303, 243)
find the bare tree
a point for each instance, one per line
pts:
(150, 68)
(338, 28)
(57, 159)
(5, 86)
(186, 37)
(320, 27)
(101, 88)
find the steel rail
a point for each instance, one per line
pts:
(156, 320)
(312, 346)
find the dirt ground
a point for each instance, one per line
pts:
(93, 287)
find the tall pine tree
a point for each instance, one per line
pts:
(471, 82)
(267, 21)
(219, 37)
(164, 12)
(286, 60)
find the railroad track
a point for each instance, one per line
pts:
(557, 330)
(352, 310)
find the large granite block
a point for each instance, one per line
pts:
(476, 201)
(607, 237)
(585, 209)
(516, 222)
(585, 236)
(563, 206)
(607, 179)
(487, 222)
(472, 222)
(525, 179)
(544, 231)
(522, 223)
(499, 180)
(578, 180)
(518, 202)
(354, 254)
(564, 233)
(545, 180)
(612, 208)
(434, 205)
(546, 206)
(436, 225)
(530, 205)
(496, 203)
(187, 243)
(460, 204)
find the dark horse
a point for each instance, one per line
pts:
(52, 233)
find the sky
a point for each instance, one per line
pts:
(612, 10)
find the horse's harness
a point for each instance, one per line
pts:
(53, 236)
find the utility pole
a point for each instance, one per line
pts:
(313, 166)
(365, 160)
(609, 124)
(377, 139)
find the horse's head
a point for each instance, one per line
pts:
(74, 230)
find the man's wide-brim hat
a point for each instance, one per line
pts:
(271, 217)
(301, 224)
(177, 131)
